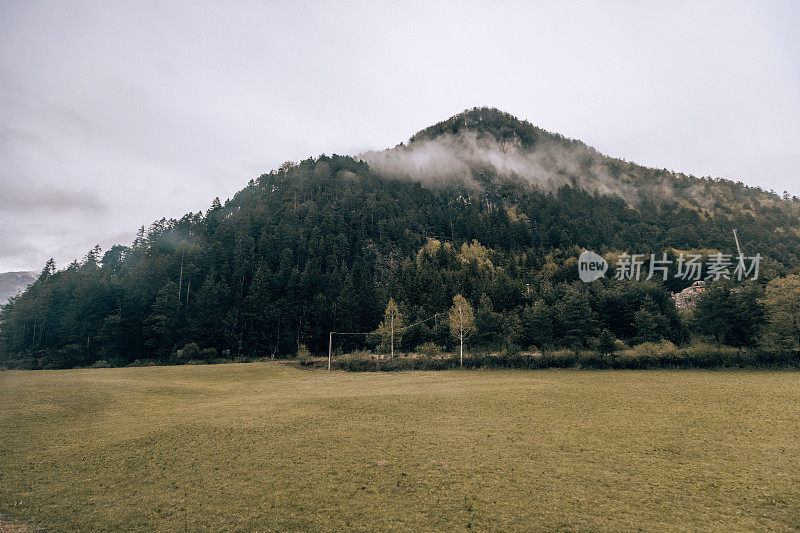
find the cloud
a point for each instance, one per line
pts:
(463, 156)
(26, 246)
(23, 200)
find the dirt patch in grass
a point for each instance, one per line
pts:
(7, 526)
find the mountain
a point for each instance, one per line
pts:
(483, 142)
(482, 205)
(13, 283)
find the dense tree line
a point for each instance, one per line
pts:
(323, 245)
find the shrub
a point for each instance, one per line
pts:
(24, 363)
(100, 364)
(654, 349)
(303, 355)
(360, 361)
(208, 354)
(511, 349)
(66, 357)
(662, 354)
(143, 362)
(430, 349)
(190, 352)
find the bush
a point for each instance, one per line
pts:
(303, 355)
(510, 349)
(67, 357)
(143, 362)
(24, 363)
(662, 354)
(100, 364)
(353, 362)
(208, 354)
(190, 352)
(653, 349)
(430, 349)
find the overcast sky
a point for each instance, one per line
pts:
(114, 114)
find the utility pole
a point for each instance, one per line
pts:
(738, 249)
(330, 348)
(739, 257)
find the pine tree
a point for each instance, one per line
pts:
(606, 342)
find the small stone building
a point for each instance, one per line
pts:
(687, 298)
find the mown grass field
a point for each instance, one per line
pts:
(265, 446)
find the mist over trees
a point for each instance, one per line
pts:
(325, 244)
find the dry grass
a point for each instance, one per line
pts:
(264, 446)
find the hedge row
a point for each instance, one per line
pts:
(723, 358)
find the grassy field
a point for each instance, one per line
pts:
(264, 446)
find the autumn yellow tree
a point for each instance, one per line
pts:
(391, 328)
(462, 323)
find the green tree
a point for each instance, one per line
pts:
(731, 315)
(512, 332)
(748, 315)
(488, 324)
(161, 323)
(576, 319)
(606, 342)
(650, 323)
(782, 302)
(712, 313)
(537, 324)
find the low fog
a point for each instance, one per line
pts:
(550, 164)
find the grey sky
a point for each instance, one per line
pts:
(114, 114)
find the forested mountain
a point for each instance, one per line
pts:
(482, 205)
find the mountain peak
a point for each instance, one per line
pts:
(490, 121)
(483, 147)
